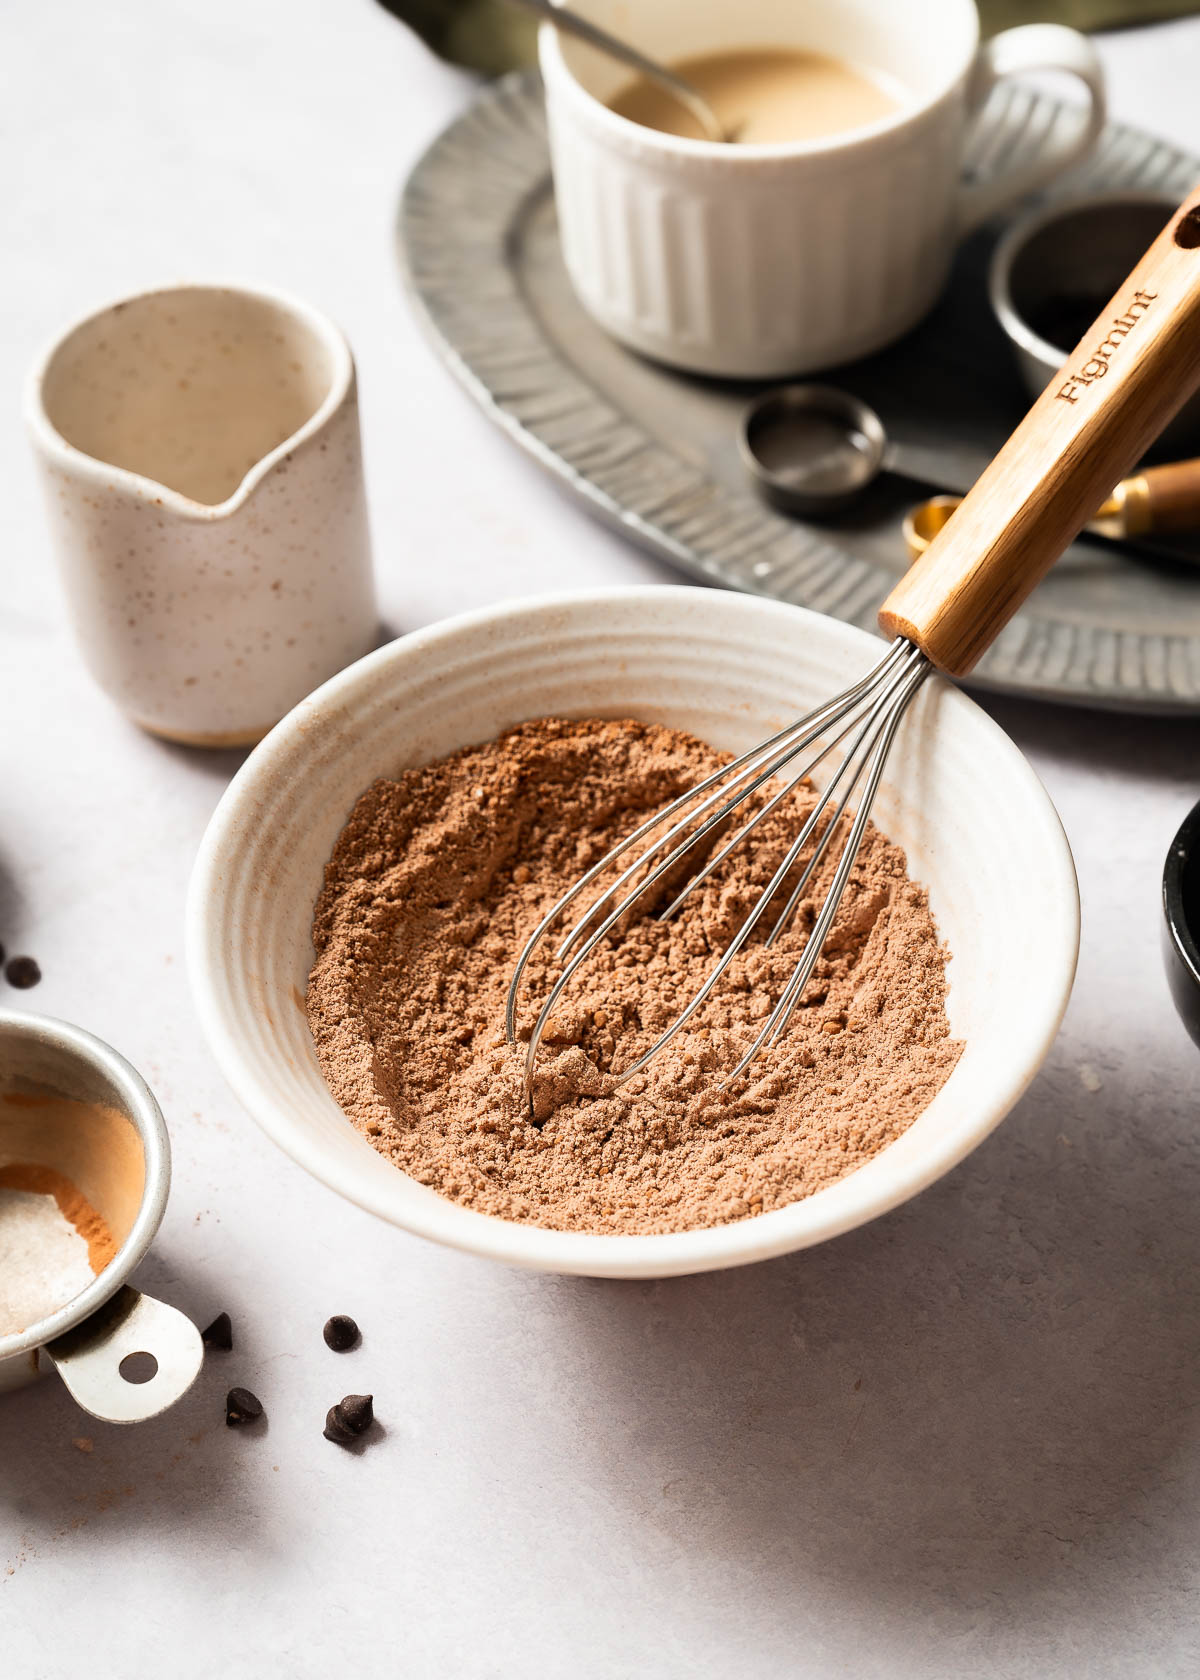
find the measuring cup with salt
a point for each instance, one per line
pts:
(75, 1114)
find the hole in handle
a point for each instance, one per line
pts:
(107, 1364)
(138, 1367)
(1187, 230)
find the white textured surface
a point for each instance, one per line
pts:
(964, 1440)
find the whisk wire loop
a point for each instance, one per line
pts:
(900, 691)
(853, 765)
(764, 763)
(870, 710)
(657, 818)
(718, 857)
(776, 1022)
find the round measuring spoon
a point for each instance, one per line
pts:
(812, 449)
(922, 523)
(1160, 499)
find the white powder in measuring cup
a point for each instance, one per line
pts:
(43, 1259)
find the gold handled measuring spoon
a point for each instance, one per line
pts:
(814, 449)
(572, 24)
(1157, 499)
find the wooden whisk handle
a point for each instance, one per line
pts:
(1139, 363)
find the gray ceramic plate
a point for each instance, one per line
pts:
(655, 452)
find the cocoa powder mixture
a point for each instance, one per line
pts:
(433, 887)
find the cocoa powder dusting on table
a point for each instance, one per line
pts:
(436, 882)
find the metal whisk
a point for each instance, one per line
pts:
(1034, 497)
(870, 711)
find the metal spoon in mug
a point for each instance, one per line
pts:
(572, 24)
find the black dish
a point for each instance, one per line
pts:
(1181, 930)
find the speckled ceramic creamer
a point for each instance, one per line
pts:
(200, 451)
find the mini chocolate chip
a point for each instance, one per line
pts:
(358, 1411)
(340, 1332)
(219, 1333)
(242, 1407)
(351, 1415)
(335, 1429)
(22, 972)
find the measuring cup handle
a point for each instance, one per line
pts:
(1032, 47)
(89, 1357)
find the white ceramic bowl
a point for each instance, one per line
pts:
(973, 818)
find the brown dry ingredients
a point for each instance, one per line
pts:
(433, 887)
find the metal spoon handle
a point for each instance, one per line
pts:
(572, 24)
(89, 1357)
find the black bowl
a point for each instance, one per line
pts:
(1181, 932)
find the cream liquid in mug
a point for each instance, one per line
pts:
(764, 96)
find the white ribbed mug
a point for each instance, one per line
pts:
(759, 261)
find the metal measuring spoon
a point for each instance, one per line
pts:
(812, 449)
(1158, 500)
(572, 24)
(1165, 498)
